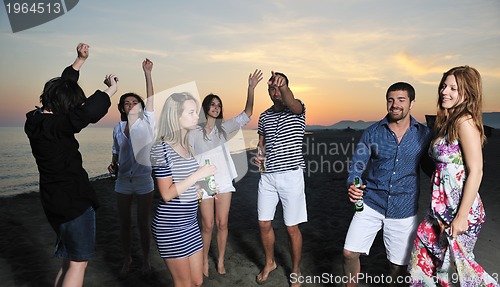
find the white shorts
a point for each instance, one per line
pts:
(398, 234)
(223, 190)
(285, 186)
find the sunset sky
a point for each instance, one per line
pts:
(340, 56)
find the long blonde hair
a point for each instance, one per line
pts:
(470, 91)
(169, 129)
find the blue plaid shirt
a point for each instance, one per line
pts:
(393, 173)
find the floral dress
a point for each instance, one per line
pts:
(438, 259)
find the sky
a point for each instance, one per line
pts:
(340, 56)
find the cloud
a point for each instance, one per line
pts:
(415, 66)
(130, 52)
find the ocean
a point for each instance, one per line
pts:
(19, 173)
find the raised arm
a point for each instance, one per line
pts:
(253, 80)
(73, 72)
(82, 54)
(112, 82)
(96, 106)
(286, 94)
(147, 66)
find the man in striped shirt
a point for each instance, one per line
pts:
(281, 132)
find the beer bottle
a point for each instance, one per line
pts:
(115, 167)
(210, 181)
(358, 205)
(262, 158)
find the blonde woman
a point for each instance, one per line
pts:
(175, 226)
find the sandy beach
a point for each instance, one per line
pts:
(26, 242)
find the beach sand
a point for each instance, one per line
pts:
(26, 242)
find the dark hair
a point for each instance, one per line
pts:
(121, 104)
(280, 74)
(60, 95)
(402, 86)
(202, 120)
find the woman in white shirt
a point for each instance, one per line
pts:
(132, 141)
(208, 141)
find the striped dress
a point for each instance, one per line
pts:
(175, 225)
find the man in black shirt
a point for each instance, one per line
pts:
(67, 197)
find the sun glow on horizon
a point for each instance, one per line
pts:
(340, 56)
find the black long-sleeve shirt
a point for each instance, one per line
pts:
(65, 188)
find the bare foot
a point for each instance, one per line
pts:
(205, 268)
(262, 276)
(296, 275)
(220, 268)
